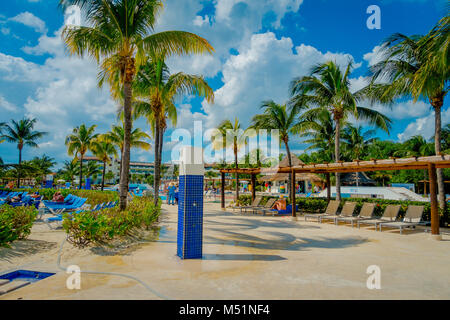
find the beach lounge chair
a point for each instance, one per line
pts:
(331, 210)
(58, 209)
(266, 208)
(366, 213)
(347, 211)
(389, 215)
(413, 217)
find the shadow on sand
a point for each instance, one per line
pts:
(24, 248)
(243, 257)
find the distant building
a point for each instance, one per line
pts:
(143, 169)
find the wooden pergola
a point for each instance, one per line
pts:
(393, 164)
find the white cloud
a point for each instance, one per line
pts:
(423, 126)
(262, 70)
(374, 56)
(6, 105)
(30, 20)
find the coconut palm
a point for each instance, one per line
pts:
(103, 150)
(318, 130)
(416, 66)
(69, 170)
(278, 117)
(355, 141)
(22, 134)
(119, 35)
(92, 170)
(231, 134)
(157, 91)
(79, 142)
(328, 88)
(117, 137)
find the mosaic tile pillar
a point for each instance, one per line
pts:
(190, 204)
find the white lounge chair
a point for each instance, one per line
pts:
(412, 218)
(347, 211)
(389, 215)
(331, 210)
(366, 213)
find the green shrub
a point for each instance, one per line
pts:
(15, 223)
(106, 225)
(94, 196)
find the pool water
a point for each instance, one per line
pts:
(26, 275)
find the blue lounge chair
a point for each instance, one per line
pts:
(60, 208)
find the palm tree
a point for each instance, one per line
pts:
(117, 137)
(318, 129)
(416, 66)
(328, 87)
(278, 117)
(356, 141)
(91, 170)
(79, 142)
(103, 150)
(69, 170)
(157, 90)
(119, 36)
(231, 134)
(22, 134)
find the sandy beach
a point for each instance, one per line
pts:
(245, 257)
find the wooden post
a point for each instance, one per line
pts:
(222, 191)
(253, 181)
(328, 187)
(433, 198)
(294, 207)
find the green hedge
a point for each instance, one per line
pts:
(15, 223)
(102, 227)
(94, 196)
(315, 205)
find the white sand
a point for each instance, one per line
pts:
(245, 257)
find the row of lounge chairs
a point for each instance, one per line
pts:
(102, 206)
(412, 218)
(257, 208)
(25, 201)
(71, 203)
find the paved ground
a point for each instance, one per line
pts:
(245, 257)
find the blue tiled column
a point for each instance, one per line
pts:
(190, 207)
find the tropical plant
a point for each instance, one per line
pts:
(119, 36)
(22, 134)
(231, 135)
(69, 170)
(328, 88)
(279, 117)
(79, 142)
(92, 170)
(103, 150)
(318, 130)
(355, 141)
(117, 137)
(156, 94)
(416, 66)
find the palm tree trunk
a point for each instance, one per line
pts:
(18, 168)
(157, 162)
(124, 176)
(437, 145)
(338, 158)
(288, 151)
(237, 174)
(103, 176)
(81, 171)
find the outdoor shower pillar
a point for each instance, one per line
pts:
(434, 202)
(190, 209)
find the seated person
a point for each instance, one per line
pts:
(58, 197)
(35, 195)
(280, 205)
(16, 199)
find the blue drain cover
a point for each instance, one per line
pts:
(26, 275)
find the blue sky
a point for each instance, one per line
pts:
(260, 47)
